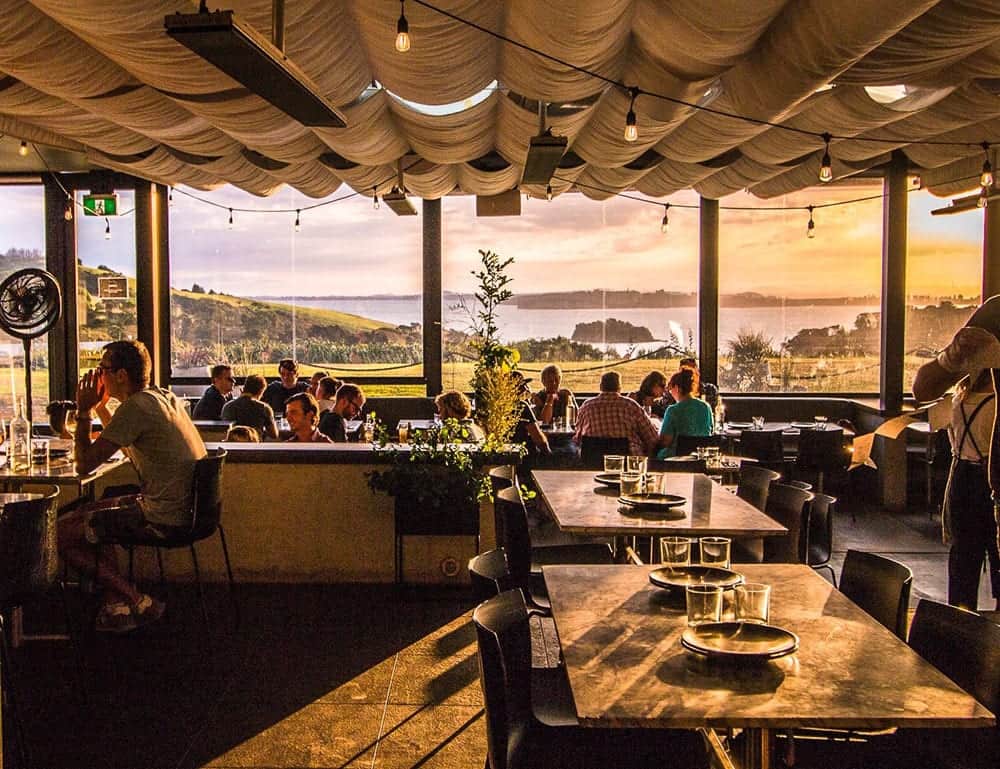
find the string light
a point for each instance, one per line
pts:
(984, 198)
(665, 224)
(298, 224)
(375, 203)
(631, 130)
(230, 218)
(825, 168)
(402, 29)
(548, 192)
(811, 227)
(107, 229)
(170, 196)
(23, 149)
(68, 213)
(986, 178)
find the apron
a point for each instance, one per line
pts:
(956, 454)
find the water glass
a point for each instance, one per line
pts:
(704, 604)
(715, 551)
(636, 465)
(758, 423)
(753, 602)
(631, 483)
(70, 424)
(404, 432)
(675, 551)
(613, 463)
(39, 451)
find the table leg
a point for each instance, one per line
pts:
(756, 752)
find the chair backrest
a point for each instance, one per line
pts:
(207, 504)
(686, 444)
(962, 645)
(593, 449)
(29, 559)
(880, 586)
(821, 450)
(754, 483)
(503, 477)
(516, 535)
(762, 445)
(504, 642)
(489, 574)
(799, 485)
(789, 506)
(820, 540)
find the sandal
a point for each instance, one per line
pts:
(115, 618)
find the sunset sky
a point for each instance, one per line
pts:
(569, 243)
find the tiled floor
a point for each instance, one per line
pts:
(342, 676)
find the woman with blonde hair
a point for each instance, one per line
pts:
(453, 404)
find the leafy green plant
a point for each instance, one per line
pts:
(749, 353)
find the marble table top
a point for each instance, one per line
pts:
(582, 506)
(620, 640)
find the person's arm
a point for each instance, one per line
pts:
(971, 350)
(932, 381)
(548, 407)
(666, 436)
(90, 397)
(271, 428)
(538, 438)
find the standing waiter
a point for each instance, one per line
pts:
(972, 362)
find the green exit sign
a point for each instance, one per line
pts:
(100, 205)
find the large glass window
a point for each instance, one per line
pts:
(596, 285)
(341, 293)
(800, 313)
(944, 272)
(106, 278)
(22, 245)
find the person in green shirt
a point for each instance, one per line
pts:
(687, 416)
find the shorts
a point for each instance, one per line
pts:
(121, 518)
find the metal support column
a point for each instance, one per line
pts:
(60, 260)
(991, 251)
(432, 295)
(708, 291)
(894, 221)
(152, 276)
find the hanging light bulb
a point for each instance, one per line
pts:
(548, 192)
(984, 198)
(107, 229)
(298, 224)
(986, 178)
(23, 149)
(68, 213)
(665, 223)
(402, 30)
(170, 196)
(631, 130)
(825, 168)
(230, 218)
(811, 227)
(375, 202)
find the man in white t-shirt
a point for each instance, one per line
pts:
(153, 429)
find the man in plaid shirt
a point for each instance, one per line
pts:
(612, 415)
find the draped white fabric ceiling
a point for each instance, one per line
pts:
(103, 78)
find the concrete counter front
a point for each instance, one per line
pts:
(304, 513)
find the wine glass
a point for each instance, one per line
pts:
(70, 424)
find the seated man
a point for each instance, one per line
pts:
(278, 392)
(612, 415)
(302, 415)
(347, 404)
(153, 429)
(217, 395)
(250, 411)
(550, 402)
(325, 392)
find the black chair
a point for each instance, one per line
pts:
(502, 477)
(205, 514)
(789, 506)
(489, 574)
(686, 444)
(754, 483)
(593, 450)
(821, 452)
(530, 716)
(820, 540)
(799, 485)
(765, 446)
(880, 586)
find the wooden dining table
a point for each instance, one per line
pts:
(58, 472)
(581, 505)
(620, 639)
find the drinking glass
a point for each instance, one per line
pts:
(70, 424)
(39, 451)
(631, 483)
(758, 423)
(704, 604)
(636, 465)
(753, 602)
(613, 463)
(715, 551)
(675, 551)
(404, 431)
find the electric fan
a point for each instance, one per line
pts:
(30, 305)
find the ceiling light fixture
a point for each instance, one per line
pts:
(236, 48)
(107, 229)
(665, 224)
(984, 198)
(396, 197)
(23, 149)
(986, 177)
(548, 192)
(544, 152)
(230, 218)
(631, 130)
(811, 227)
(402, 29)
(375, 203)
(68, 213)
(826, 168)
(967, 203)
(298, 224)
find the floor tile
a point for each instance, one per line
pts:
(432, 737)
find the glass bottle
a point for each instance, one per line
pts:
(19, 451)
(720, 415)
